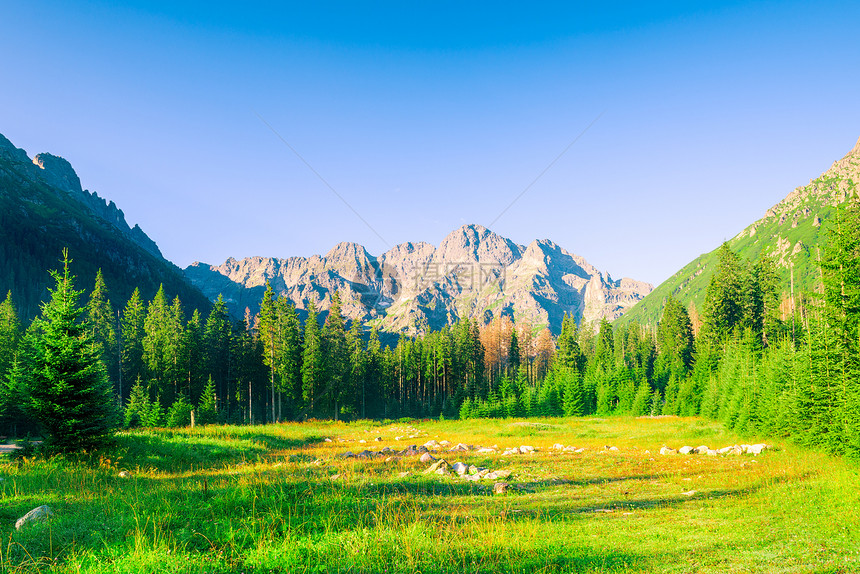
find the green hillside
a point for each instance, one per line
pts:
(790, 233)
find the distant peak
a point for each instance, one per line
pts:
(856, 150)
(58, 172)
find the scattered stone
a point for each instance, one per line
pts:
(701, 449)
(606, 510)
(445, 443)
(362, 441)
(501, 488)
(569, 449)
(404, 474)
(686, 450)
(688, 493)
(378, 439)
(460, 468)
(461, 447)
(711, 452)
(427, 457)
(334, 477)
(527, 449)
(122, 474)
(579, 451)
(328, 440)
(422, 448)
(347, 454)
(38, 514)
(486, 450)
(437, 466)
(431, 444)
(365, 454)
(607, 447)
(667, 450)
(757, 449)
(558, 446)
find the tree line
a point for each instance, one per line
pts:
(756, 355)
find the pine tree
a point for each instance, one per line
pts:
(132, 331)
(65, 384)
(207, 410)
(102, 321)
(313, 361)
(10, 332)
(271, 335)
(336, 356)
(217, 338)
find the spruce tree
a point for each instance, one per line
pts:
(207, 409)
(313, 361)
(65, 384)
(132, 333)
(336, 356)
(102, 321)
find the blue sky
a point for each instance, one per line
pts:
(425, 116)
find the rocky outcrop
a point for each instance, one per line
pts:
(58, 173)
(414, 287)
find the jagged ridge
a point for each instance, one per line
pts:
(413, 287)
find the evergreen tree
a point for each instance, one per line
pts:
(102, 321)
(313, 361)
(207, 410)
(217, 339)
(336, 356)
(132, 331)
(271, 335)
(65, 384)
(10, 332)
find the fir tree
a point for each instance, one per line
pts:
(207, 410)
(65, 384)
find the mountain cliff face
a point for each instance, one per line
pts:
(789, 232)
(413, 287)
(43, 209)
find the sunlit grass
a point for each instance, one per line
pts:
(260, 499)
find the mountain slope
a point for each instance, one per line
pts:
(473, 273)
(790, 232)
(43, 209)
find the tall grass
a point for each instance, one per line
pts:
(262, 499)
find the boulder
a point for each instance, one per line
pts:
(501, 488)
(445, 443)
(686, 450)
(38, 514)
(431, 444)
(427, 457)
(460, 468)
(701, 449)
(711, 452)
(667, 450)
(124, 474)
(527, 449)
(558, 446)
(486, 450)
(437, 466)
(757, 449)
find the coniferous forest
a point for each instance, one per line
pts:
(757, 356)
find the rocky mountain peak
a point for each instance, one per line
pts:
(9, 152)
(474, 273)
(58, 172)
(473, 243)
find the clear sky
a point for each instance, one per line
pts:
(427, 115)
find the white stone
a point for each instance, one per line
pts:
(460, 468)
(686, 450)
(524, 449)
(667, 450)
(427, 457)
(757, 448)
(38, 514)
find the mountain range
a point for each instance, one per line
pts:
(790, 232)
(44, 209)
(473, 273)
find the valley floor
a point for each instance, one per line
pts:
(281, 498)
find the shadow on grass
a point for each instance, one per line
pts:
(178, 451)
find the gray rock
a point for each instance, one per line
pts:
(701, 449)
(427, 457)
(527, 449)
(38, 514)
(436, 467)
(124, 474)
(686, 450)
(667, 450)
(460, 468)
(757, 449)
(501, 488)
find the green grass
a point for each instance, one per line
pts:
(262, 499)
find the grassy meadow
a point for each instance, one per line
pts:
(280, 498)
